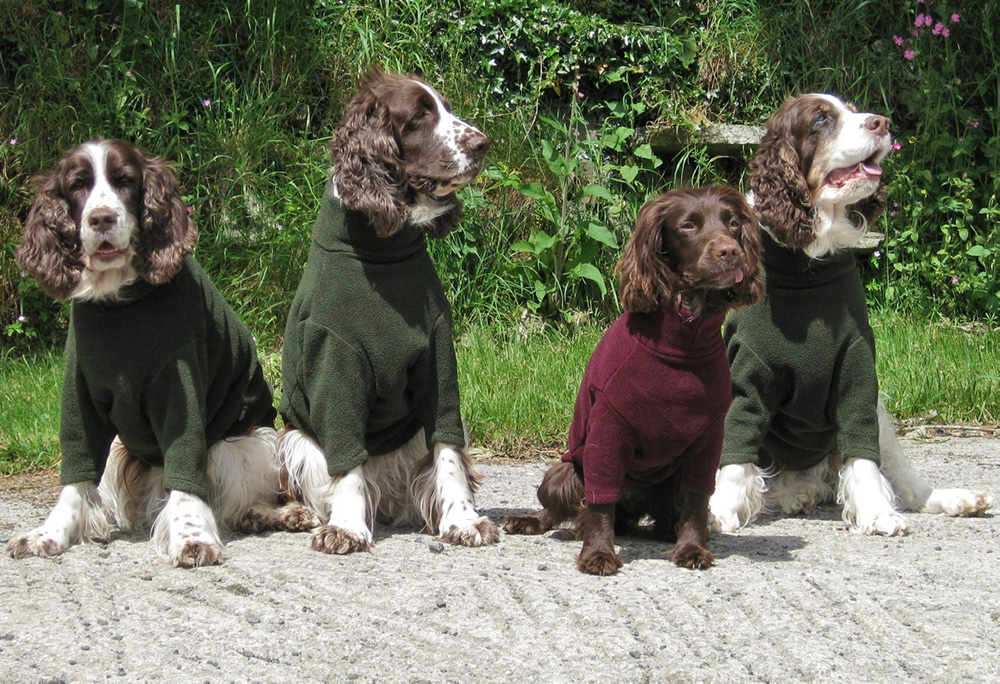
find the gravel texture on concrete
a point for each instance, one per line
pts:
(790, 600)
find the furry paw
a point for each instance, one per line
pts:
(196, 554)
(480, 532)
(800, 499)
(523, 524)
(726, 523)
(34, 543)
(958, 502)
(295, 517)
(693, 557)
(887, 523)
(598, 563)
(331, 539)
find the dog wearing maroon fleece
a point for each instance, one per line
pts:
(647, 428)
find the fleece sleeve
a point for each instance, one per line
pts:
(753, 407)
(857, 401)
(702, 460)
(337, 389)
(441, 411)
(608, 451)
(85, 429)
(175, 407)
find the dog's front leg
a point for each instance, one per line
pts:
(692, 533)
(867, 498)
(444, 493)
(596, 526)
(349, 528)
(738, 497)
(76, 517)
(186, 533)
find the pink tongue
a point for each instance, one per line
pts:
(838, 177)
(739, 275)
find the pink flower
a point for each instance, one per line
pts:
(896, 146)
(580, 95)
(13, 141)
(128, 74)
(206, 103)
(955, 18)
(898, 40)
(954, 280)
(189, 208)
(938, 27)
(946, 32)
(920, 20)
(909, 54)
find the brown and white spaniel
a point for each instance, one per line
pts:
(166, 416)
(647, 426)
(807, 424)
(370, 402)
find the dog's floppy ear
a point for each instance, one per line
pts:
(751, 289)
(166, 232)
(646, 278)
(367, 163)
(51, 251)
(781, 195)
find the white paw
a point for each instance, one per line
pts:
(886, 523)
(725, 522)
(959, 502)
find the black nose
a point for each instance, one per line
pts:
(878, 124)
(101, 220)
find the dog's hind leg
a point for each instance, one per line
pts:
(561, 494)
(243, 486)
(914, 494)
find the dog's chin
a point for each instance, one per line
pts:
(848, 192)
(108, 258)
(719, 280)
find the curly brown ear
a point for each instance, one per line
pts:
(781, 195)
(646, 278)
(367, 164)
(167, 233)
(870, 208)
(51, 251)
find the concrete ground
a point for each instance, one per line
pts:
(790, 600)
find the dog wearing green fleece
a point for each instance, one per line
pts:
(806, 424)
(373, 427)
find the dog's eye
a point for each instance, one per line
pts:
(687, 227)
(79, 184)
(735, 223)
(122, 181)
(821, 117)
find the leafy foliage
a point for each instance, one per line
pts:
(242, 98)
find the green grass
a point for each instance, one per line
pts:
(518, 392)
(29, 411)
(954, 370)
